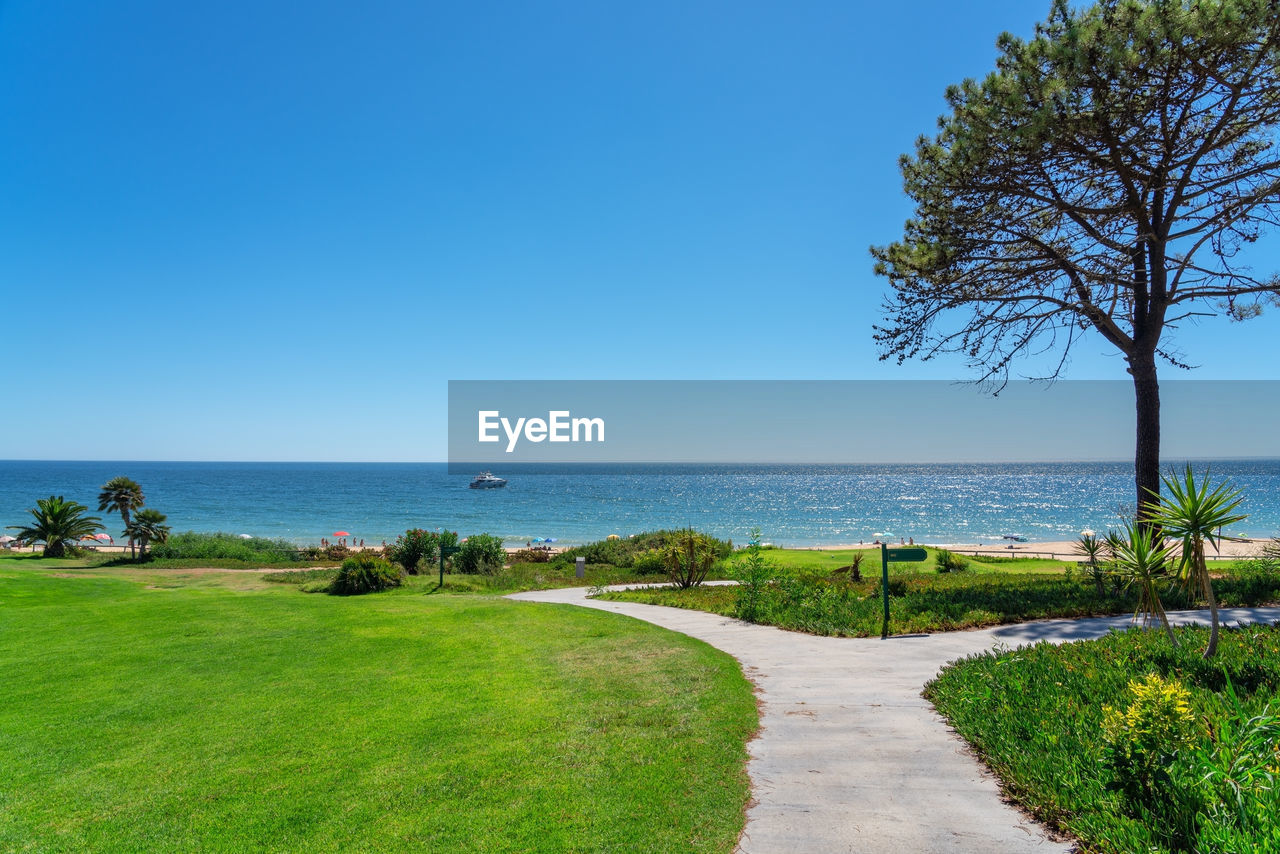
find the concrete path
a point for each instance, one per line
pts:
(850, 757)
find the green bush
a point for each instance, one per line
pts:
(480, 553)
(220, 546)
(531, 556)
(625, 552)
(754, 573)
(364, 573)
(949, 562)
(414, 548)
(1141, 745)
(649, 563)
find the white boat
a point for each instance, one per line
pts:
(486, 480)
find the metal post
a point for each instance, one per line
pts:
(580, 567)
(884, 588)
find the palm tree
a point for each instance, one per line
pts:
(1091, 548)
(59, 524)
(1194, 513)
(1143, 560)
(121, 495)
(146, 526)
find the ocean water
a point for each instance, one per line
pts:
(795, 505)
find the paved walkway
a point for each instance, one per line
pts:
(850, 757)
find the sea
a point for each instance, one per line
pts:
(792, 505)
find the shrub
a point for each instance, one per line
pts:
(689, 558)
(363, 573)
(1143, 740)
(531, 556)
(625, 552)
(413, 548)
(222, 546)
(949, 562)
(480, 553)
(649, 563)
(753, 572)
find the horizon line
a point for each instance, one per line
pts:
(493, 463)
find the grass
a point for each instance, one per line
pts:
(931, 602)
(182, 710)
(1035, 716)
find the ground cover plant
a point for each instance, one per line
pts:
(183, 711)
(1130, 743)
(930, 602)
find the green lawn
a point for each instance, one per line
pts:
(154, 710)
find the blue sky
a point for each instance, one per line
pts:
(268, 231)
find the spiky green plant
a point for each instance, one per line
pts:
(1143, 561)
(1193, 513)
(146, 526)
(688, 558)
(59, 524)
(1091, 549)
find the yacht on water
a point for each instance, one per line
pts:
(486, 480)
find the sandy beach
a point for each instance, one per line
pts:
(1055, 549)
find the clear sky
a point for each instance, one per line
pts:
(257, 230)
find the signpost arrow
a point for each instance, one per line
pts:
(901, 556)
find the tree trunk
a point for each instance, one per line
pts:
(124, 514)
(1146, 462)
(1202, 569)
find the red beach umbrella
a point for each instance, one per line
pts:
(341, 534)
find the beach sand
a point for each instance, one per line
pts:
(1055, 549)
(1066, 549)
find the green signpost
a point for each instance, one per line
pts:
(446, 551)
(901, 556)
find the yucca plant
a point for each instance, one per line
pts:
(59, 524)
(1143, 561)
(1091, 549)
(145, 527)
(1193, 513)
(688, 558)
